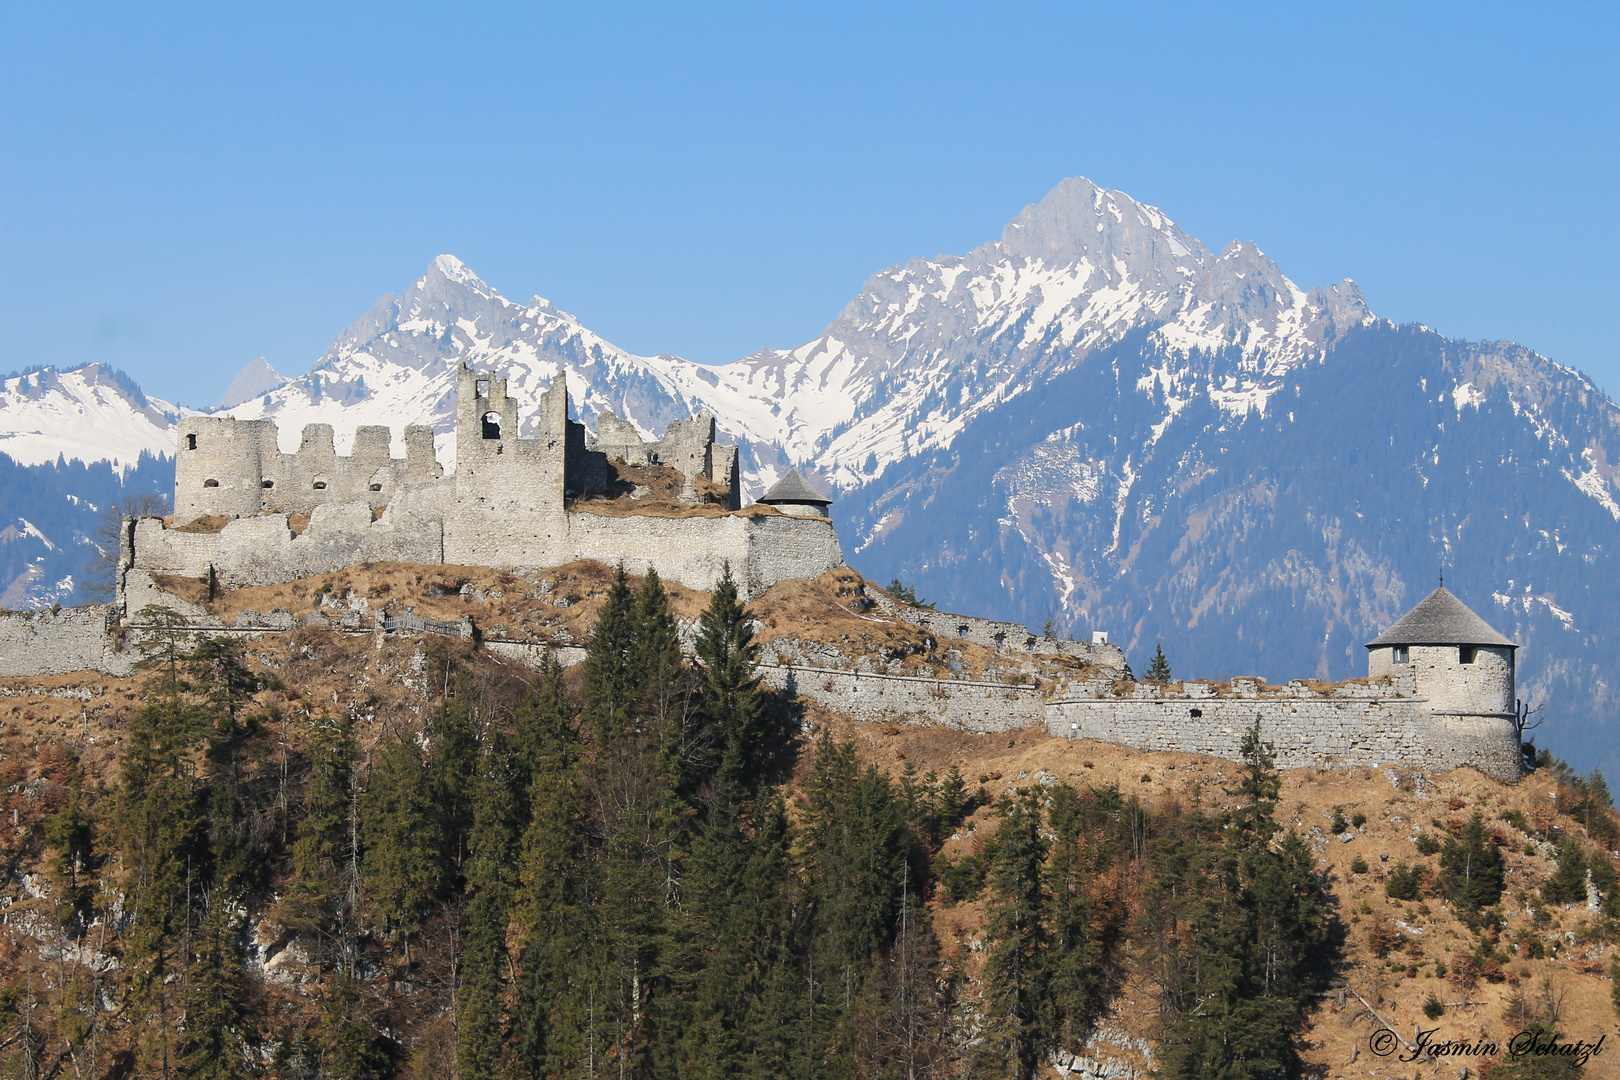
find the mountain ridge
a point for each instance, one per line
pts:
(1097, 419)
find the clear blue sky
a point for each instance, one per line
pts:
(184, 189)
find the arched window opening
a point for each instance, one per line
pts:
(267, 484)
(492, 425)
(320, 485)
(210, 483)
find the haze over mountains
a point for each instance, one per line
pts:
(1094, 420)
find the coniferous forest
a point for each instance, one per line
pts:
(641, 867)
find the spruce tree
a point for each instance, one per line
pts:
(158, 828)
(558, 887)
(1014, 968)
(1240, 936)
(219, 1043)
(499, 791)
(322, 899)
(71, 835)
(1072, 975)
(1567, 885)
(1159, 670)
(404, 862)
(1471, 868)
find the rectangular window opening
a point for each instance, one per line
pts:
(1467, 654)
(1402, 655)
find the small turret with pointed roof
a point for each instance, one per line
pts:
(793, 495)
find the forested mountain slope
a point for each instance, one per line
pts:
(318, 855)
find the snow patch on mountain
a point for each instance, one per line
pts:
(87, 414)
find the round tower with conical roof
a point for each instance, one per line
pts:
(1461, 666)
(793, 495)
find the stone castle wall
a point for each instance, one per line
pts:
(226, 467)
(762, 547)
(57, 642)
(965, 706)
(1359, 724)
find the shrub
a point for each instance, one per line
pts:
(1402, 883)
(1568, 883)
(1358, 865)
(1427, 844)
(1358, 819)
(1432, 1008)
(1338, 824)
(963, 878)
(1383, 936)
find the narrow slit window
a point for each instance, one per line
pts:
(191, 442)
(320, 485)
(210, 483)
(376, 487)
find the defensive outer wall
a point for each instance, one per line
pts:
(1367, 723)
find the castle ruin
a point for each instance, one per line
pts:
(248, 514)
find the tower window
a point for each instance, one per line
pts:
(376, 487)
(1467, 654)
(492, 425)
(1196, 714)
(320, 485)
(191, 442)
(210, 483)
(1403, 655)
(481, 388)
(267, 484)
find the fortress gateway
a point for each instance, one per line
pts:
(1439, 690)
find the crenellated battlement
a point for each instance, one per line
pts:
(235, 468)
(514, 500)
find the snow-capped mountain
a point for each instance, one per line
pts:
(89, 414)
(1093, 420)
(397, 366)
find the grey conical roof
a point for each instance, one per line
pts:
(794, 488)
(1440, 619)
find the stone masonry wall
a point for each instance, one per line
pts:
(263, 550)
(55, 643)
(230, 467)
(1352, 725)
(966, 706)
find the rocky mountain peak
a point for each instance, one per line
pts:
(1078, 221)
